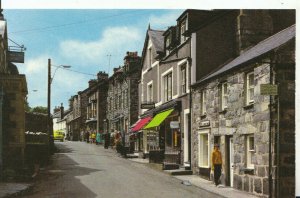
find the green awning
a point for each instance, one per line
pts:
(158, 119)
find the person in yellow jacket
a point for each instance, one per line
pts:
(216, 159)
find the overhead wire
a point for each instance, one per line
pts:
(49, 28)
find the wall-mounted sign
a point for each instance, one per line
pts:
(267, 89)
(174, 125)
(147, 106)
(205, 123)
(16, 57)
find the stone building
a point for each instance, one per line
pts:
(13, 92)
(122, 98)
(232, 105)
(96, 103)
(165, 83)
(74, 120)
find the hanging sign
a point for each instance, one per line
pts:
(267, 89)
(174, 125)
(16, 57)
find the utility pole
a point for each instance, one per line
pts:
(50, 132)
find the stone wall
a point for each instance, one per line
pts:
(15, 91)
(237, 122)
(36, 122)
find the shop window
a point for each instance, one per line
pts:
(250, 151)
(203, 149)
(249, 88)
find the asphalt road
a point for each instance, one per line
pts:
(85, 170)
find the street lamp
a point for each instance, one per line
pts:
(50, 79)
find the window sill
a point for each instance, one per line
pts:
(249, 106)
(248, 170)
(223, 111)
(203, 116)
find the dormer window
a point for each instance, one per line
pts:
(183, 29)
(168, 44)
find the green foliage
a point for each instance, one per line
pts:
(39, 109)
(27, 107)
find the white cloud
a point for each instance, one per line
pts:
(112, 40)
(164, 21)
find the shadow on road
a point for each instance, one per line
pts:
(62, 178)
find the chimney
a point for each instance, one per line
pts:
(131, 57)
(102, 76)
(61, 111)
(253, 26)
(92, 82)
(56, 109)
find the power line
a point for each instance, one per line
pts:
(71, 24)
(73, 70)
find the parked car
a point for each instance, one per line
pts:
(59, 135)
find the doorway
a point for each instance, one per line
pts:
(229, 166)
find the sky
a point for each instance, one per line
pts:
(87, 40)
(81, 33)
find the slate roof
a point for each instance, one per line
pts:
(261, 48)
(157, 39)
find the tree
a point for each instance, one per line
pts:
(27, 107)
(39, 109)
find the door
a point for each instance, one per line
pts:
(231, 162)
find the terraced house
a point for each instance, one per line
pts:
(246, 103)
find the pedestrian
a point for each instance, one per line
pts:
(87, 136)
(98, 138)
(93, 137)
(216, 159)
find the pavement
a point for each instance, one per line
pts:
(12, 189)
(220, 190)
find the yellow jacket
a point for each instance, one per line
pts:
(216, 158)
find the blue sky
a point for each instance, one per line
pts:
(80, 38)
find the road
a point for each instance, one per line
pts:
(85, 170)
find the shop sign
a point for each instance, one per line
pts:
(174, 125)
(205, 123)
(16, 57)
(267, 89)
(147, 106)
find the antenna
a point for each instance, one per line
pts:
(109, 57)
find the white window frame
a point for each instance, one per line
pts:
(249, 88)
(223, 96)
(203, 101)
(162, 87)
(148, 91)
(183, 28)
(149, 52)
(250, 151)
(200, 151)
(179, 77)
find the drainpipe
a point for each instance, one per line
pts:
(270, 132)
(190, 115)
(1, 131)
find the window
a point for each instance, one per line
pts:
(150, 57)
(223, 96)
(203, 149)
(168, 43)
(183, 28)
(150, 93)
(168, 87)
(249, 88)
(203, 102)
(183, 79)
(250, 151)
